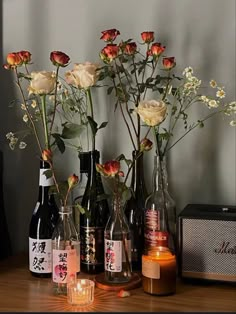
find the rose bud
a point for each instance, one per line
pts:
(145, 145)
(59, 58)
(109, 52)
(110, 34)
(14, 59)
(168, 63)
(47, 155)
(156, 49)
(25, 56)
(72, 180)
(130, 48)
(7, 67)
(147, 37)
(109, 169)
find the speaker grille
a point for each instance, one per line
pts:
(209, 246)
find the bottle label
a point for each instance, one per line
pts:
(64, 265)
(152, 219)
(115, 255)
(150, 269)
(40, 255)
(92, 245)
(155, 238)
(43, 180)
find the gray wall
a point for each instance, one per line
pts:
(198, 33)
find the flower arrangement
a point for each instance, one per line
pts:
(134, 73)
(40, 107)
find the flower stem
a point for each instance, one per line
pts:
(43, 103)
(88, 93)
(55, 100)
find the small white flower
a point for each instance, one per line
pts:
(25, 118)
(9, 135)
(213, 103)
(204, 99)
(188, 71)
(22, 145)
(233, 123)
(213, 83)
(220, 93)
(23, 107)
(34, 103)
(13, 142)
(232, 106)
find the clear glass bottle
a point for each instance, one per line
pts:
(92, 226)
(65, 251)
(160, 211)
(134, 210)
(42, 224)
(84, 158)
(118, 267)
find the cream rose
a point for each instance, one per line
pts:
(152, 112)
(42, 82)
(83, 75)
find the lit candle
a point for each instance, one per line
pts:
(159, 271)
(80, 292)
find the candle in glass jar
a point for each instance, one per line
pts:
(80, 292)
(159, 271)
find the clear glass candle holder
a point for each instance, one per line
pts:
(80, 292)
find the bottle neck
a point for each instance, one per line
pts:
(137, 178)
(160, 176)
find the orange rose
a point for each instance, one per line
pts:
(147, 37)
(109, 169)
(156, 49)
(72, 180)
(47, 155)
(109, 52)
(168, 63)
(14, 59)
(25, 56)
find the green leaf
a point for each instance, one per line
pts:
(103, 125)
(59, 142)
(72, 130)
(109, 90)
(93, 124)
(48, 173)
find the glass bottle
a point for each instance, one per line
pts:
(118, 267)
(84, 158)
(160, 212)
(65, 251)
(92, 226)
(42, 224)
(134, 210)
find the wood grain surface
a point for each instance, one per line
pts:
(21, 292)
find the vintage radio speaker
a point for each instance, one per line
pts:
(207, 242)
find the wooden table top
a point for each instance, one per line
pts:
(21, 292)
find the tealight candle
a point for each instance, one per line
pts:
(159, 271)
(80, 292)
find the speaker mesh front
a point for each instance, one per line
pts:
(209, 246)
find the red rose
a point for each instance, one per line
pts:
(147, 37)
(130, 48)
(14, 59)
(25, 56)
(110, 34)
(109, 52)
(110, 168)
(156, 49)
(168, 63)
(59, 58)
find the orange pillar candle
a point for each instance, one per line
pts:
(159, 271)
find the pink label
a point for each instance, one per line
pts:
(64, 265)
(152, 219)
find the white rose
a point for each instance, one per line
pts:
(83, 75)
(152, 112)
(42, 82)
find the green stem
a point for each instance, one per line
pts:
(43, 103)
(55, 100)
(88, 93)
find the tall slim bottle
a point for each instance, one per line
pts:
(42, 224)
(134, 211)
(65, 251)
(92, 226)
(160, 211)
